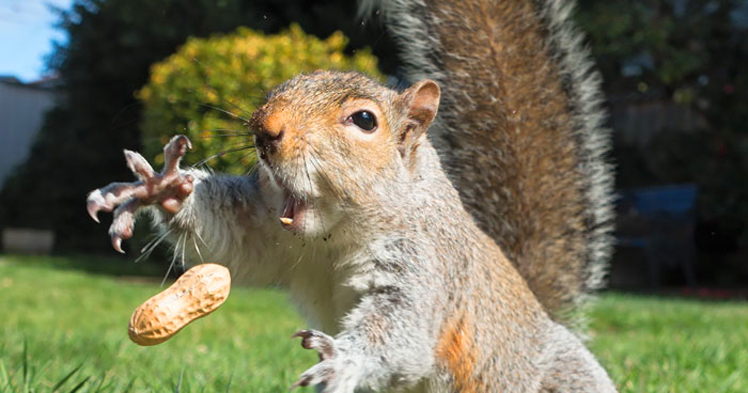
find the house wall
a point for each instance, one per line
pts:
(22, 109)
(637, 122)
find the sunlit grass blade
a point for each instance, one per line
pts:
(79, 385)
(129, 385)
(4, 377)
(178, 387)
(64, 379)
(25, 365)
(100, 387)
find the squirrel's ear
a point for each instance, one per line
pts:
(420, 103)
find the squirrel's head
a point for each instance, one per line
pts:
(330, 141)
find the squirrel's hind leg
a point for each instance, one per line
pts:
(570, 367)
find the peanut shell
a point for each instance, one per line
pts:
(197, 293)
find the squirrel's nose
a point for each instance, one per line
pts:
(268, 141)
(268, 127)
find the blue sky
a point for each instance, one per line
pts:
(26, 35)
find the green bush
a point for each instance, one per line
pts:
(209, 85)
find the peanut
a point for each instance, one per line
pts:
(197, 293)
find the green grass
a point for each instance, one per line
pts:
(67, 327)
(54, 321)
(652, 344)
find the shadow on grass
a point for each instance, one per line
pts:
(96, 264)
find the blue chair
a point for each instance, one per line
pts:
(668, 216)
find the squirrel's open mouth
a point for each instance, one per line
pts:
(293, 215)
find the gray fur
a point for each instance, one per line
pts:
(413, 24)
(387, 293)
(410, 293)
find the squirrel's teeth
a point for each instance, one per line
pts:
(286, 220)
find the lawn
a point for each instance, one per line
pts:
(65, 328)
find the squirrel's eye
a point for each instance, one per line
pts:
(364, 120)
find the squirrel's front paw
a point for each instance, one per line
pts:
(167, 189)
(336, 372)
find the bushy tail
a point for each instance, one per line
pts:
(520, 132)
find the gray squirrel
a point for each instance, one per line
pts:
(438, 239)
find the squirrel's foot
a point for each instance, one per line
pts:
(167, 189)
(335, 372)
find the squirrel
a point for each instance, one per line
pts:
(436, 238)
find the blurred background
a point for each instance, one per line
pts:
(82, 79)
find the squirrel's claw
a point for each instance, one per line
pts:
(310, 378)
(167, 188)
(336, 371)
(139, 165)
(108, 197)
(123, 223)
(320, 342)
(320, 373)
(117, 244)
(173, 153)
(93, 203)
